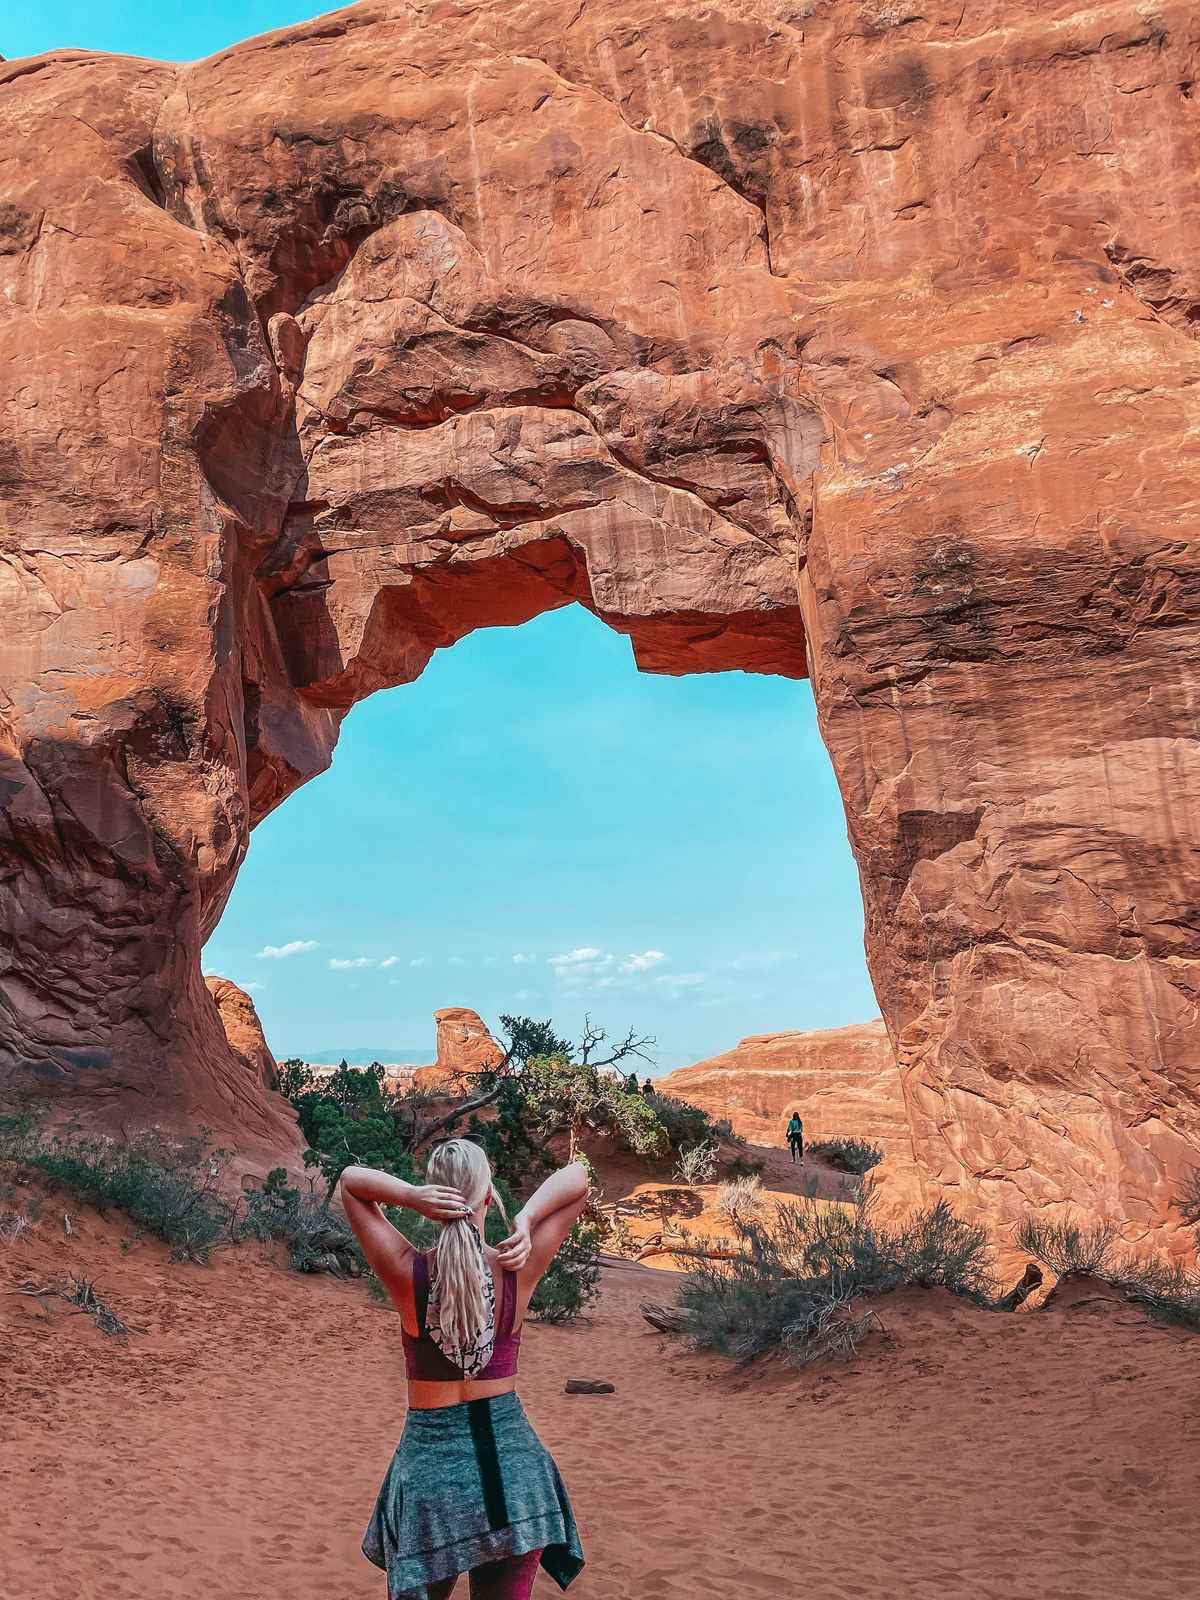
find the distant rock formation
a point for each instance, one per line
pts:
(463, 1045)
(244, 1031)
(843, 1081)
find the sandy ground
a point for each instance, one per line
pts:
(234, 1449)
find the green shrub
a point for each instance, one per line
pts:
(317, 1237)
(684, 1123)
(1065, 1247)
(170, 1187)
(793, 1286)
(572, 1282)
(1167, 1291)
(848, 1155)
(517, 1152)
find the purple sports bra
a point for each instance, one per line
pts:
(423, 1360)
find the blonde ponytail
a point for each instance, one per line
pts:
(462, 1277)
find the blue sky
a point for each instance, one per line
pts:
(533, 826)
(143, 27)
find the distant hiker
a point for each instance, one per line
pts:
(632, 1086)
(795, 1137)
(470, 1486)
(647, 1087)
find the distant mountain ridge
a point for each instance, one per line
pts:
(364, 1055)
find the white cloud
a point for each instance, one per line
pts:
(589, 968)
(457, 961)
(344, 966)
(523, 994)
(574, 958)
(389, 961)
(276, 952)
(643, 961)
(253, 988)
(521, 959)
(419, 961)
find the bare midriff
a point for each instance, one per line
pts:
(424, 1395)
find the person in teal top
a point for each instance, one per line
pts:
(795, 1136)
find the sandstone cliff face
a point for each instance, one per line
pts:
(834, 338)
(843, 1081)
(243, 1030)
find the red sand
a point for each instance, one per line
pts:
(235, 1448)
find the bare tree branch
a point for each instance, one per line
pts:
(632, 1044)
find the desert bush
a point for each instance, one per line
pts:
(1188, 1199)
(848, 1155)
(794, 1286)
(350, 1121)
(318, 1238)
(740, 1199)
(1168, 1292)
(697, 1163)
(12, 1225)
(1065, 1246)
(684, 1123)
(170, 1187)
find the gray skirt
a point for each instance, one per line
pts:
(468, 1484)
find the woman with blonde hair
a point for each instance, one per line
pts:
(470, 1488)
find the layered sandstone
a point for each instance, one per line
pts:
(244, 1031)
(836, 338)
(843, 1081)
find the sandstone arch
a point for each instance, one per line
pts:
(816, 338)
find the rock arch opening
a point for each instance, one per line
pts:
(535, 827)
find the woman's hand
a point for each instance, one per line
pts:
(437, 1202)
(513, 1252)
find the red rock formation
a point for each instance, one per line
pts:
(843, 1081)
(463, 1045)
(829, 338)
(243, 1030)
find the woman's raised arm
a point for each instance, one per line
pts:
(545, 1220)
(365, 1189)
